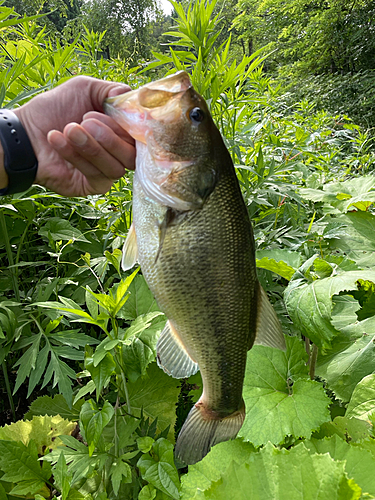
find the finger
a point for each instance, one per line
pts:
(120, 89)
(68, 151)
(110, 122)
(114, 144)
(112, 159)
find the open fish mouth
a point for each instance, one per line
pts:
(159, 100)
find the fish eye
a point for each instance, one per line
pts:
(196, 115)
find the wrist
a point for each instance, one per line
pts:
(3, 175)
(19, 160)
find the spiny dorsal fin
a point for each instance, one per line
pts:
(172, 356)
(268, 328)
(130, 250)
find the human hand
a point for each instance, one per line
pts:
(80, 150)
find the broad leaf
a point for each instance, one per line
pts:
(61, 229)
(286, 475)
(158, 468)
(362, 402)
(141, 300)
(350, 359)
(282, 262)
(93, 422)
(359, 462)
(310, 304)
(43, 431)
(45, 405)
(280, 398)
(21, 465)
(214, 465)
(157, 395)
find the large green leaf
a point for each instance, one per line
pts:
(282, 262)
(310, 304)
(157, 467)
(141, 300)
(280, 398)
(21, 465)
(362, 402)
(61, 229)
(278, 474)
(57, 405)
(43, 431)
(359, 462)
(157, 395)
(213, 466)
(94, 420)
(350, 359)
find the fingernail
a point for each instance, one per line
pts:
(77, 136)
(57, 140)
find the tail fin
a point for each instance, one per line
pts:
(199, 434)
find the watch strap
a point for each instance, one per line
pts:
(20, 162)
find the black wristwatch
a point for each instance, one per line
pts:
(20, 162)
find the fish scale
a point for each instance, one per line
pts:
(193, 238)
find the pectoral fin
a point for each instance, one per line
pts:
(130, 250)
(268, 328)
(172, 356)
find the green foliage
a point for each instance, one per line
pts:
(272, 473)
(281, 402)
(71, 322)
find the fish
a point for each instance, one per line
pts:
(192, 236)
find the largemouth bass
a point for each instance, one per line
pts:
(193, 239)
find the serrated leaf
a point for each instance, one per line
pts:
(213, 466)
(61, 229)
(56, 405)
(350, 429)
(76, 454)
(359, 462)
(158, 468)
(157, 395)
(310, 304)
(21, 465)
(362, 402)
(291, 475)
(62, 477)
(350, 359)
(280, 398)
(43, 431)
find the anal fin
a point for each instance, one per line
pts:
(172, 356)
(268, 328)
(130, 250)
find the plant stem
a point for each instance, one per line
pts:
(314, 356)
(9, 391)
(9, 255)
(126, 392)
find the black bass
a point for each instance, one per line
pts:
(193, 239)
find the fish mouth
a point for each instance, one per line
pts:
(159, 100)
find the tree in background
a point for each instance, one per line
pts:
(127, 24)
